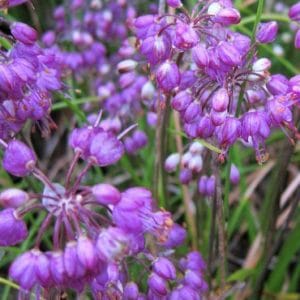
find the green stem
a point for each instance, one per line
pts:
(9, 283)
(259, 12)
(265, 17)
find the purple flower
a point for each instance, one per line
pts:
(278, 84)
(106, 149)
(131, 291)
(234, 174)
(13, 198)
(176, 236)
(156, 48)
(185, 36)
(10, 3)
(200, 56)
(23, 270)
(267, 32)
(182, 100)
(19, 160)
(106, 194)
(297, 39)
(24, 33)
(86, 253)
(294, 12)
(172, 162)
(168, 76)
(220, 100)
(174, 3)
(164, 268)
(157, 285)
(12, 229)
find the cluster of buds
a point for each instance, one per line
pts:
(213, 77)
(83, 41)
(191, 162)
(29, 75)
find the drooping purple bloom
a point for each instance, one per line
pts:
(168, 76)
(19, 159)
(24, 33)
(13, 198)
(106, 194)
(106, 149)
(12, 229)
(267, 32)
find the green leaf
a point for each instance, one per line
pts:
(240, 275)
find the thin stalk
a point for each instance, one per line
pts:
(187, 200)
(220, 223)
(259, 12)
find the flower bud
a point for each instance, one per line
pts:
(228, 54)
(194, 279)
(185, 36)
(172, 162)
(57, 268)
(234, 174)
(157, 284)
(202, 182)
(218, 118)
(196, 148)
(220, 100)
(267, 32)
(294, 12)
(196, 164)
(148, 91)
(131, 291)
(174, 3)
(164, 268)
(168, 76)
(13, 198)
(106, 149)
(200, 56)
(210, 186)
(127, 65)
(192, 112)
(262, 64)
(186, 158)
(297, 39)
(278, 85)
(185, 176)
(86, 252)
(181, 101)
(106, 194)
(255, 96)
(205, 127)
(24, 33)
(227, 16)
(23, 270)
(18, 160)
(12, 229)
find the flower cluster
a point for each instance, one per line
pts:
(97, 230)
(213, 77)
(28, 76)
(83, 40)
